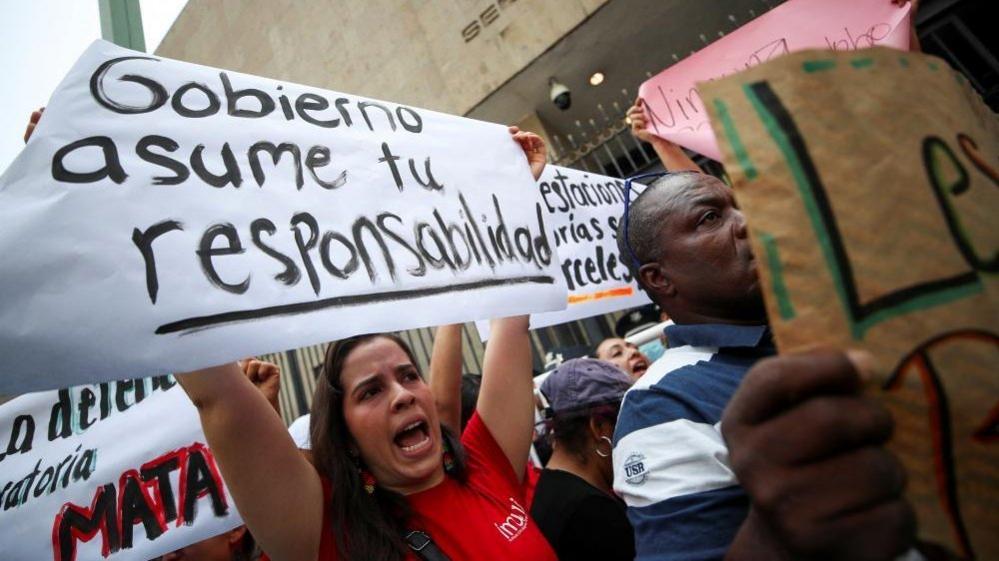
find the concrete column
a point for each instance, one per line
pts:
(121, 23)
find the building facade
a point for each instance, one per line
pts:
(495, 60)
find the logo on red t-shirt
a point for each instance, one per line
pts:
(515, 522)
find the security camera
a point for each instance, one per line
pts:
(559, 94)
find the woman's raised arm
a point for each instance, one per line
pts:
(278, 493)
(445, 375)
(506, 400)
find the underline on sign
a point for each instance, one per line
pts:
(200, 323)
(610, 293)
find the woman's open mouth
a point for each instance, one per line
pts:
(413, 438)
(639, 367)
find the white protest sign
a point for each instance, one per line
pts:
(584, 210)
(167, 216)
(108, 471)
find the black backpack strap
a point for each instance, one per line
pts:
(424, 547)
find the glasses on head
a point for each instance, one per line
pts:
(627, 206)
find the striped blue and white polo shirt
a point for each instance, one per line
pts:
(670, 462)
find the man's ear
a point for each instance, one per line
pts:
(654, 278)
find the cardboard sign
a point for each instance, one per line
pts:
(673, 105)
(167, 216)
(584, 210)
(870, 186)
(109, 471)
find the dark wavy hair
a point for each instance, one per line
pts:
(364, 526)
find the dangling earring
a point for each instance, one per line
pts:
(609, 443)
(448, 456)
(368, 479)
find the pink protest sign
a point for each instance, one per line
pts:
(672, 104)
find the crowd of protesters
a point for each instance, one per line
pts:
(719, 449)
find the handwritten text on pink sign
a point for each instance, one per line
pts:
(673, 106)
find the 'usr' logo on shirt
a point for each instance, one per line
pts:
(634, 469)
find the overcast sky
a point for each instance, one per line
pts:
(41, 41)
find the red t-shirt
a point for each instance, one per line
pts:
(485, 518)
(531, 476)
